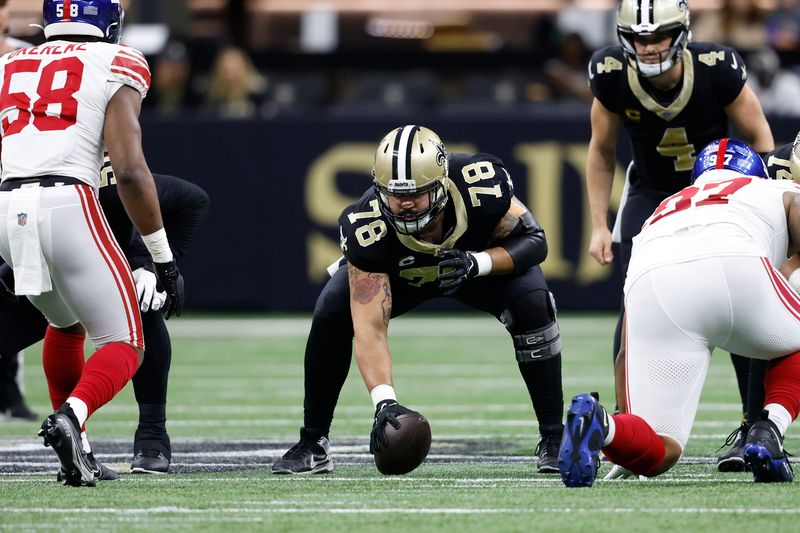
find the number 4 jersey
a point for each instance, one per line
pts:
(722, 214)
(53, 106)
(480, 192)
(668, 130)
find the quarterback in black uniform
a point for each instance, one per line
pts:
(407, 240)
(184, 206)
(673, 97)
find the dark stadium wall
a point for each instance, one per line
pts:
(277, 188)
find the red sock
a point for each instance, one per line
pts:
(635, 446)
(105, 374)
(62, 360)
(782, 383)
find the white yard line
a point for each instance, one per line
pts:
(404, 510)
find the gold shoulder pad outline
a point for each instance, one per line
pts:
(677, 105)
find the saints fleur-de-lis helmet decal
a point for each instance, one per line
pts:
(411, 160)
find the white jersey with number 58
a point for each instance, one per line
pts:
(53, 100)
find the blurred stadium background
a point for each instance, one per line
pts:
(274, 107)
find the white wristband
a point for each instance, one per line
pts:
(158, 246)
(380, 393)
(794, 279)
(484, 261)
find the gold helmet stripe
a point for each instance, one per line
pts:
(401, 165)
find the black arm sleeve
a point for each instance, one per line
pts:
(184, 207)
(527, 244)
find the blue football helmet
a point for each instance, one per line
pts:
(730, 154)
(97, 18)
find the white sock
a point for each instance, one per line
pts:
(80, 409)
(780, 416)
(85, 442)
(612, 429)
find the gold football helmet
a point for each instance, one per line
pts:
(411, 160)
(648, 17)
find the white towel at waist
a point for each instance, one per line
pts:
(31, 274)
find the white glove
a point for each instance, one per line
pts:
(149, 297)
(620, 472)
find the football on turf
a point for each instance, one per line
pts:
(407, 446)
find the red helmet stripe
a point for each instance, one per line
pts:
(723, 144)
(67, 10)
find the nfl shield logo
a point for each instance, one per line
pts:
(22, 218)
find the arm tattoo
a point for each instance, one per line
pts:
(386, 304)
(509, 220)
(505, 227)
(365, 286)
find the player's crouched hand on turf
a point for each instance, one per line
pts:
(620, 472)
(456, 267)
(170, 281)
(386, 412)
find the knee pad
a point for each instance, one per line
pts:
(531, 321)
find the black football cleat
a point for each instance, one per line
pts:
(764, 455)
(152, 449)
(733, 459)
(306, 457)
(584, 433)
(149, 461)
(101, 471)
(547, 453)
(62, 432)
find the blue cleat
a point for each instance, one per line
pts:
(764, 455)
(584, 432)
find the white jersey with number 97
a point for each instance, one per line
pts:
(53, 100)
(723, 214)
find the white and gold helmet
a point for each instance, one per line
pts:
(411, 160)
(648, 17)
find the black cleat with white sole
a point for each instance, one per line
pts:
(309, 456)
(149, 461)
(101, 471)
(62, 432)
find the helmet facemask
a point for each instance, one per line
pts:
(404, 222)
(679, 38)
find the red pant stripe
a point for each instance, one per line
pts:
(116, 263)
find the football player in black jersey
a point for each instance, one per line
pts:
(673, 97)
(184, 207)
(432, 225)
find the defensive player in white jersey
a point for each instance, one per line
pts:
(703, 274)
(61, 104)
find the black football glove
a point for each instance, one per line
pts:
(456, 267)
(386, 412)
(170, 281)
